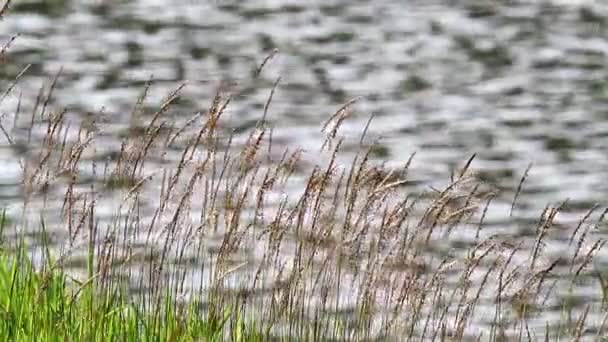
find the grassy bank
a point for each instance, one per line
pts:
(175, 226)
(352, 255)
(47, 305)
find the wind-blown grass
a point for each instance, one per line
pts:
(208, 241)
(45, 305)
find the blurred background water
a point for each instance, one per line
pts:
(516, 82)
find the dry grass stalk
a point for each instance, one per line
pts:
(5, 8)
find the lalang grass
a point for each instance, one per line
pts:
(212, 243)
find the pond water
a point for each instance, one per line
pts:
(516, 82)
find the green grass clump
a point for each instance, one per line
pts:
(44, 305)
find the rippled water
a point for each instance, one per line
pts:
(516, 82)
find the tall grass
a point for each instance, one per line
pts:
(208, 240)
(43, 305)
